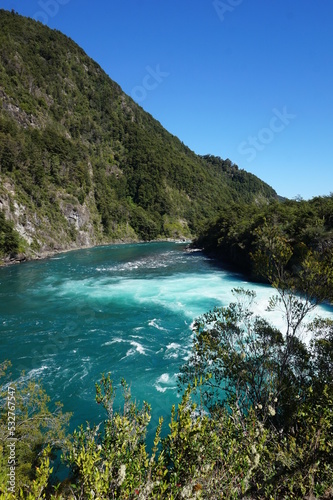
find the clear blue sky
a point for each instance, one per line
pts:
(249, 80)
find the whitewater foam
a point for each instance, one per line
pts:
(138, 347)
(172, 351)
(166, 382)
(153, 323)
(173, 345)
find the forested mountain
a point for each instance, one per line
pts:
(81, 163)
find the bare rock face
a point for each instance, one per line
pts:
(77, 216)
(77, 225)
(79, 220)
(19, 115)
(15, 258)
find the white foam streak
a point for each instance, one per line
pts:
(166, 382)
(173, 345)
(35, 373)
(154, 324)
(138, 347)
(172, 351)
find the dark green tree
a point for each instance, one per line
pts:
(9, 238)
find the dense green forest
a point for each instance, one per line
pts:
(9, 238)
(234, 235)
(81, 163)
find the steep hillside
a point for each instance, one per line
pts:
(81, 163)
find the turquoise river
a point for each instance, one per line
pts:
(126, 309)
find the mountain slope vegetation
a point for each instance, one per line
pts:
(81, 163)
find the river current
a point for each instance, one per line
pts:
(124, 309)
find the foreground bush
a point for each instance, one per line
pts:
(227, 454)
